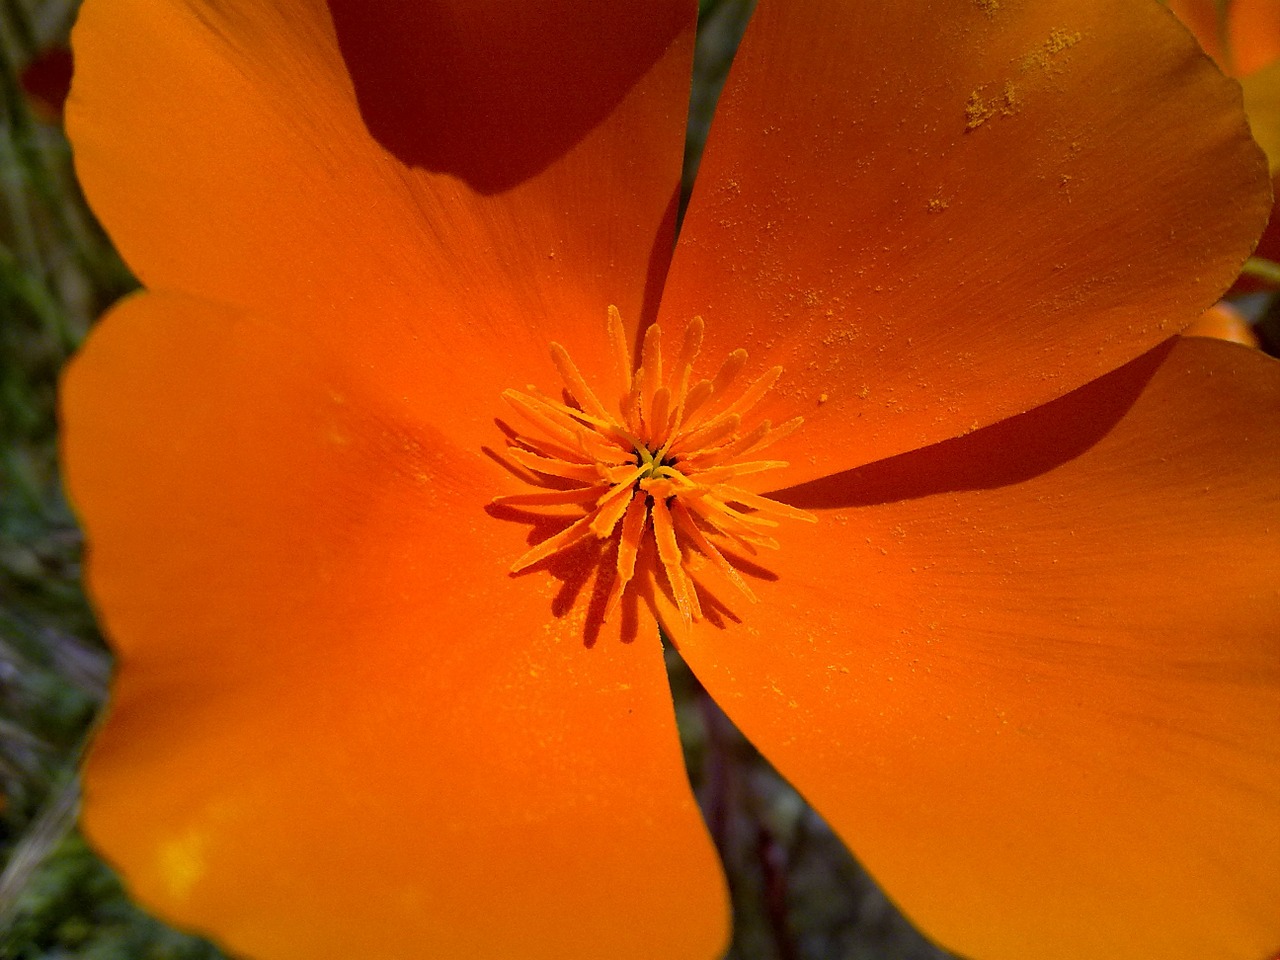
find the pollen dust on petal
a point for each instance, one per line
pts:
(1047, 56)
(985, 103)
(1036, 72)
(656, 466)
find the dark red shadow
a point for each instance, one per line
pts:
(46, 81)
(1005, 453)
(493, 91)
(588, 564)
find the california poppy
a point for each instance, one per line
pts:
(1243, 37)
(1025, 661)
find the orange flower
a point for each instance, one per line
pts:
(1243, 37)
(1025, 661)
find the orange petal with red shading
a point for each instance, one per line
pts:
(951, 224)
(338, 728)
(1032, 676)
(224, 147)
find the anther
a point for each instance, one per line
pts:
(662, 453)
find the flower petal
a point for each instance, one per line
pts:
(493, 91)
(1223, 321)
(1207, 20)
(1262, 104)
(1242, 36)
(339, 729)
(940, 218)
(224, 148)
(1253, 30)
(1032, 675)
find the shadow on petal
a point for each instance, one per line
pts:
(1004, 453)
(494, 92)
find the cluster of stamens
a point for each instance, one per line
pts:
(667, 459)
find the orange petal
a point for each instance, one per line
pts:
(1253, 29)
(1223, 322)
(1262, 104)
(1032, 676)
(1242, 36)
(224, 147)
(939, 223)
(339, 729)
(1207, 20)
(1268, 244)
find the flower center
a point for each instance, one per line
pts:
(662, 462)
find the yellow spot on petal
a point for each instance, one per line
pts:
(182, 864)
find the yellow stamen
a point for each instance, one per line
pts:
(617, 335)
(628, 546)
(573, 381)
(689, 527)
(669, 460)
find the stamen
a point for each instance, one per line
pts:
(756, 391)
(577, 386)
(682, 589)
(719, 510)
(628, 547)
(689, 527)
(671, 455)
(717, 429)
(651, 353)
(729, 371)
(565, 538)
(658, 416)
(649, 375)
(688, 353)
(721, 474)
(538, 416)
(763, 504)
(552, 498)
(555, 468)
(698, 396)
(617, 335)
(631, 404)
(576, 420)
(611, 507)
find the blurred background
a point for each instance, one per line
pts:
(797, 891)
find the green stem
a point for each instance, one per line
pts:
(1267, 271)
